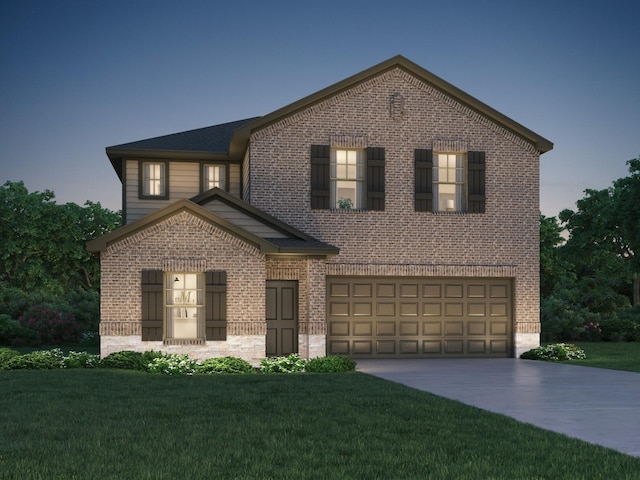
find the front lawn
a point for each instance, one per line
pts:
(613, 355)
(114, 424)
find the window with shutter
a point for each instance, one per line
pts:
(216, 305)
(152, 305)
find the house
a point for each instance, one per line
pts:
(388, 215)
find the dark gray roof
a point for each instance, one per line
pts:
(208, 139)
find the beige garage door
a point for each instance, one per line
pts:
(419, 317)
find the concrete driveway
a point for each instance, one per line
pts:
(595, 405)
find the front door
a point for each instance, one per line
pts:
(282, 318)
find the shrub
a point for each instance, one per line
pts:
(173, 364)
(555, 351)
(54, 327)
(6, 354)
(225, 365)
(291, 364)
(81, 360)
(38, 360)
(125, 360)
(330, 364)
(85, 305)
(13, 333)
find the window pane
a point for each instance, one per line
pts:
(184, 304)
(345, 194)
(153, 179)
(214, 176)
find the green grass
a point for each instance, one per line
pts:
(111, 424)
(613, 355)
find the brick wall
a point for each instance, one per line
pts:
(188, 243)
(400, 113)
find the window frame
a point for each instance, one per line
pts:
(359, 179)
(203, 181)
(460, 181)
(164, 180)
(170, 306)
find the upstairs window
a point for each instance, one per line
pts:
(448, 182)
(347, 179)
(153, 180)
(214, 176)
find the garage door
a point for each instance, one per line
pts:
(419, 317)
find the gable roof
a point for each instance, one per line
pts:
(241, 136)
(204, 143)
(298, 243)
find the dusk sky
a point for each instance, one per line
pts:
(78, 76)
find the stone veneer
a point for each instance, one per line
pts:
(399, 112)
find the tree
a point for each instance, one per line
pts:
(604, 234)
(42, 244)
(553, 268)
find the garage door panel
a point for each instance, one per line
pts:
(386, 328)
(386, 347)
(339, 328)
(363, 329)
(409, 329)
(476, 328)
(419, 317)
(409, 347)
(408, 309)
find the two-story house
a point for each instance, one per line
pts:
(388, 215)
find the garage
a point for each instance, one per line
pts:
(419, 317)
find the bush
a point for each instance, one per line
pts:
(225, 365)
(85, 305)
(291, 364)
(6, 354)
(81, 360)
(13, 333)
(54, 327)
(173, 364)
(125, 360)
(330, 364)
(556, 351)
(38, 360)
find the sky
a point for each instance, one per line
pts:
(79, 76)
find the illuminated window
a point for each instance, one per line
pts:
(153, 179)
(184, 303)
(448, 182)
(347, 179)
(214, 176)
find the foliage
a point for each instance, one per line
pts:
(330, 364)
(6, 354)
(54, 327)
(224, 365)
(126, 360)
(291, 364)
(81, 360)
(172, 364)
(555, 352)
(38, 360)
(13, 333)
(43, 244)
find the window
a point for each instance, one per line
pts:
(342, 179)
(213, 176)
(347, 179)
(153, 180)
(448, 182)
(184, 305)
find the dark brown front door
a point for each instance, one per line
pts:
(282, 317)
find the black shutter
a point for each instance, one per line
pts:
(320, 176)
(152, 305)
(216, 305)
(476, 182)
(375, 178)
(423, 180)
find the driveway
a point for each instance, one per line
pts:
(595, 405)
